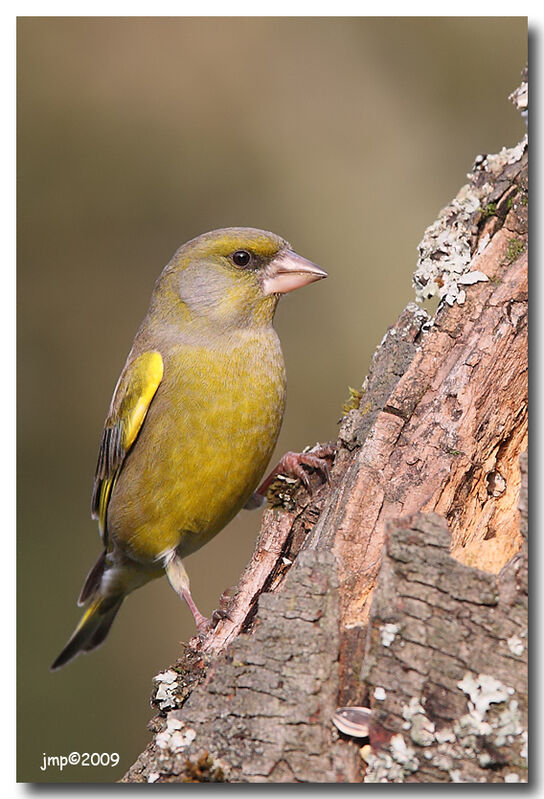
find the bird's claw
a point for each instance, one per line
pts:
(205, 625)
(292, 463)
(218, 615)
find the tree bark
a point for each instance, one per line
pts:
(403, 583)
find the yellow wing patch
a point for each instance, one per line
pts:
(145, 375)
(131, 400)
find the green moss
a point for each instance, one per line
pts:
(489, 210)
(353, 401)
(515, 248)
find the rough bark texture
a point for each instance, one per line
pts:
(446, 663)
(367, 591)
(267, 701)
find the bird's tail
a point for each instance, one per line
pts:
(96, 621)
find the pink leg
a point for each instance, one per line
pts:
(179, 580)
(292, 462)
(203, 624)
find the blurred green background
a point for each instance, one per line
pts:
(344, 135)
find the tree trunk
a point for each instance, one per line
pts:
(402, 585)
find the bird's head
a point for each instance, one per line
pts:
(235, 276)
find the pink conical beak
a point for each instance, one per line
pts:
(289, 271)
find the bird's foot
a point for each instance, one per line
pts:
(292, 463)
(205, 625)
(221, 612)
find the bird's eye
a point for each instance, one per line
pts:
(241, 257)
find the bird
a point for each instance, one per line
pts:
(193, 420)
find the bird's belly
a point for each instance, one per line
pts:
(199, 456)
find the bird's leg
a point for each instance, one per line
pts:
(179, 580)
(292, 465)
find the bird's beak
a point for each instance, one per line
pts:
(289, 271)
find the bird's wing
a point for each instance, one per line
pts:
(131, 400)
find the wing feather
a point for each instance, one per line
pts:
(131, 400)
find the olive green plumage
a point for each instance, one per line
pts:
(194, 418)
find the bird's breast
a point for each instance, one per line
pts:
(205, 444)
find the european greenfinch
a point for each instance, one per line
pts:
(194, 418)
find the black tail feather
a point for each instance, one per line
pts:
(93, 580)
(103, 628)
(91, 630)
